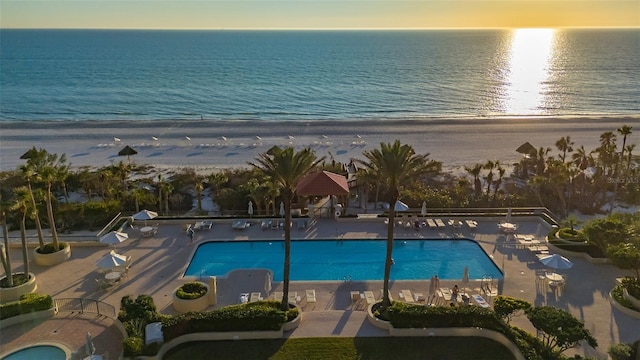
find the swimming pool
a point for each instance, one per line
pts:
(333, 260)
(49, 352)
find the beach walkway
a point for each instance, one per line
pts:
(159, 262)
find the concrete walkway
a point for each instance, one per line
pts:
(158, 265)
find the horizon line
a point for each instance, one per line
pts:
(327, 29)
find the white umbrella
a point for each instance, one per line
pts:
(400, 206)
(432, 285)
(250, 210)
(281, 208)
(465, 277)
(557, 262)
(423, 211)
(145, 215)
(113, 238)
(89, 347)
(267, 284)
(111, 260)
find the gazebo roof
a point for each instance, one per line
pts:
(323, 183)
(526, 148)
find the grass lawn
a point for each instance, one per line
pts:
(345, 348)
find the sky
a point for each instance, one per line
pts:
(317, 14)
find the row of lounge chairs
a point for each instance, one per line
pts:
(437, 223)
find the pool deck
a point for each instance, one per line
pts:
(159, 262)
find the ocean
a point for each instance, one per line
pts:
(317, 75)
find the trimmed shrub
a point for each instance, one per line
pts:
(257, 316)
(590, 249)
(191, 290)
(132, 346)
(18, 279)
(620, 352)
(632, 285)
(48, 248)
(571, 235)
(28, 303)
(140, 308)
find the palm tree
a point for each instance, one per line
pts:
(29, 175)
(477, 185)
(286, 167)
(624, 130)
(5, 253)
(565, 145)
(571, 222)
(490, 165)
(22, 205)
(629, 149)
(498, 182)
(396, 165)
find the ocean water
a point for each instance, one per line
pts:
(316, 75)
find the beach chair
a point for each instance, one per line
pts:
(432, 224)
(440, 224)
(264, 225)
(293, 297)
(277, 295)
(310, 295)
(445, 293)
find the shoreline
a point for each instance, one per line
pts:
(217, 144)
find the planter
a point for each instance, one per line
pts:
(191, 305)
(290, 325)
(54, 258)
(14, 293)
(379, 323)
(632, 299)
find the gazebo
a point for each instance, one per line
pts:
(323, 183)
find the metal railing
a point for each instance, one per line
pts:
(85, 305)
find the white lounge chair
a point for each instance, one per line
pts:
(311, 296)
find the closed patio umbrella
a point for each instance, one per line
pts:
(89, 347)
(465, 278)
(281, 209)
(250, 210)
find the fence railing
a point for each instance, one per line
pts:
(85, 305)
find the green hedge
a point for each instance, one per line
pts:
(256, 316)
(571, 235)
(28, 303)
(590, 249)
(191, 290)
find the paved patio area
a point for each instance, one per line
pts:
(159, 262)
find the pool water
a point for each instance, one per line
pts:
(48, 352)
(333, 260)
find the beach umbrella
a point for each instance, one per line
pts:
(432, 285)
(557, 262)
(526, 149)
(267, 283)
(465, 277)
(250, 210)
(145, 215)
(423, 211)
(89, 347)
(400, 206)
(281, 208)
(114, 237)
(127, 151)
(111, 260)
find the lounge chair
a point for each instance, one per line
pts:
(432, 224)
(407, 296)
(445, 292)
(311, 296)
(239, 224)
(302, 224)
(440, 224)
(293, 297)
(277, 295)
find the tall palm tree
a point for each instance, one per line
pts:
(624, 130)
(5, 253)
(286, 167)
(29, 175)
(396, 165)
(629, 149)
(477, 184)
(22, 205)
(565, 145)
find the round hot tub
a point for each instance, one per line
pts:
(40, 351)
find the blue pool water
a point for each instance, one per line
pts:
(333, 260)
(48, 352)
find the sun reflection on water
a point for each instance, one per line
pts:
(525, 89)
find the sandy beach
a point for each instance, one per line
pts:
(208, 145)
